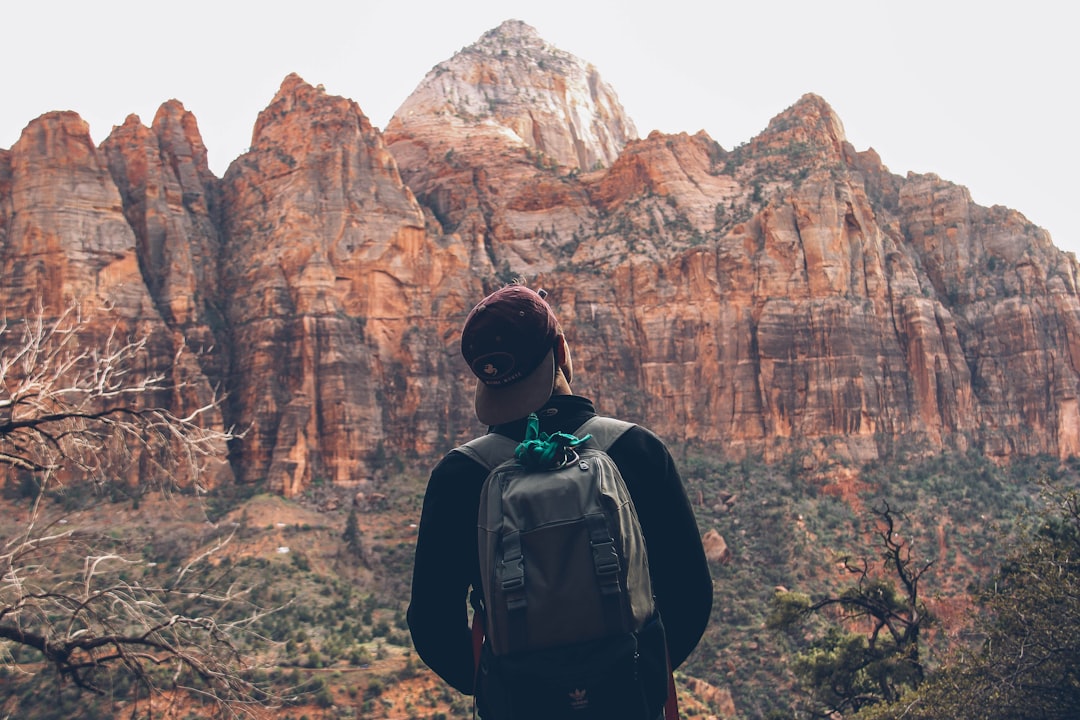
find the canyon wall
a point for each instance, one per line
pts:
(790, 294)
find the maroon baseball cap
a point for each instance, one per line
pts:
(509, 342)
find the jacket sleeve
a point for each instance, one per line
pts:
(444, 567)
(680, 573)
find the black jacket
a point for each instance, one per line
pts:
(447, 561)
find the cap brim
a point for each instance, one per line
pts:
(498, 405)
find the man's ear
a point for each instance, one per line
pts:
(562, 358)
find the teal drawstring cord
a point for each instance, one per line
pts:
(540, 451)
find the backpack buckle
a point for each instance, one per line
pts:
(512, 565)
(515, 578)
(605, 558)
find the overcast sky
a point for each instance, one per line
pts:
(982, 94)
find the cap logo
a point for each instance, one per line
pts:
(498, 368)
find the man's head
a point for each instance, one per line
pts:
(510, 341)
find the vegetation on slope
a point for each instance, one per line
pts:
(336, 644)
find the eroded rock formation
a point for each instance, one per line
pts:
(790, 293)
(66, 242)
(338, 297)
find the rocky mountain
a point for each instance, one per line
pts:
(69, 232)
(788, 294)
(512, 85)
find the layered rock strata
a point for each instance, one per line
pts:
(787, 295)
(67, 244)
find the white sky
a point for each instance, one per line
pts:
(983, 94)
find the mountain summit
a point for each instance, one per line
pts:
(512, 82)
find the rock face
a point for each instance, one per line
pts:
(511, 84)
(65, 234)
(492, 142)
(788, 294)
(65, 239)
(337, 298)
(170, 201)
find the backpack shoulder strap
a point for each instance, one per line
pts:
(604, 430)
(489, 450)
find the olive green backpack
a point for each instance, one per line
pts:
(566, 585)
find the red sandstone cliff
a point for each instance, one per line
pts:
(791, 292)
(65, 239)
(339, 298)
(788, 293)
(170, 201)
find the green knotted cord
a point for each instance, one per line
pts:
(542, 451)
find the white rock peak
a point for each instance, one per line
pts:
(512, 80)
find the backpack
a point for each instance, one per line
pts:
(571, 626)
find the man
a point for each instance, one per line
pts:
(516, 348)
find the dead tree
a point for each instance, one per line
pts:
(77, 411)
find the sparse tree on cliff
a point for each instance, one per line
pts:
(75, 602)
(870, 652)
(1027, 666)
(352, 535)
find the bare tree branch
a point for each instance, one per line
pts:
(77, 406)
(99, 410)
